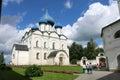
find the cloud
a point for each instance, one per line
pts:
(5, 2)
(9, 35)
(112, 1)
(68, 4)
(13, 20)
(90, 25)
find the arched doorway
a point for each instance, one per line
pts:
(102, 62)
(61, 57)
(118, 61)
(84, 62)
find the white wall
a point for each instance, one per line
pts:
(111, 45)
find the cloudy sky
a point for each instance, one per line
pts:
(81, 19)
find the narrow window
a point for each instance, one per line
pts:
(37, 56)
(62, 46)
(13, 56)
(36, 43)
(53, 45)
(117, 34)
(45, 57)
(45, 45)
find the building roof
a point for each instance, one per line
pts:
(34, 28)
(54, 53)
(46, 18)
(109, 25)
(21, 47)
(58, 25)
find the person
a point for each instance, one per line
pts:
(97, 66)
(90, 68)
(87, 67)
(84, 68)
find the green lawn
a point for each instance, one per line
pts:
(18, 74)
(63, 68)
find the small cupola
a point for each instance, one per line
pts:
(34, 27)
(58, 28)
(58, 25)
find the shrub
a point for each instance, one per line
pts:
(33, 71)
(4, 67)
(74, 61)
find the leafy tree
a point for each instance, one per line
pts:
(76, 52)
(80, 52)
(2, 58)
(91, 49)
(99, 50)
(2, 63)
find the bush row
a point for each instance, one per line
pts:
(4, 67)
(59, 71)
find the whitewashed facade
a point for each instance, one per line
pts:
(85, 61)
(111, 43)
(45, 45)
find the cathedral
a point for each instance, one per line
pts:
(111, 43)
(42, 45)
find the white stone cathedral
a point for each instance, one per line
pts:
(111, 43)
(42, 45)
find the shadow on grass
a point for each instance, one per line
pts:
(12, 75)
(112, 76)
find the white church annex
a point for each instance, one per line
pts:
(111, 43)
(42, 45)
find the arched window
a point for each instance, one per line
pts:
(45, 55)
(117, 34)
(62, 46)
(37, 56)
(45, 45)
(53, 45)
(13, 56)
(36, 43)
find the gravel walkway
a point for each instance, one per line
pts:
(99, 75)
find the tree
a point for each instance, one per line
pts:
(90, 52)
(2, 58)
(99, 50)
(76, 52)
(80, 52)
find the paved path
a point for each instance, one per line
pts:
(99, 75)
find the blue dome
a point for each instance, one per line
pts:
(58, 25)
(46, 18)
(34, 28)
(42, 20)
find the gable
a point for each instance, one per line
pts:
(37, 32)
(46, 34)
(54, 34)
(63, 37)
(117, 21)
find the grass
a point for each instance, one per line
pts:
(18, 73)
(55, 76)
(63, 68)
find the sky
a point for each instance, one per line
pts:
(81, 19)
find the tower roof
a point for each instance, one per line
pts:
(34, 27)
(58, 25)
(46, 18)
